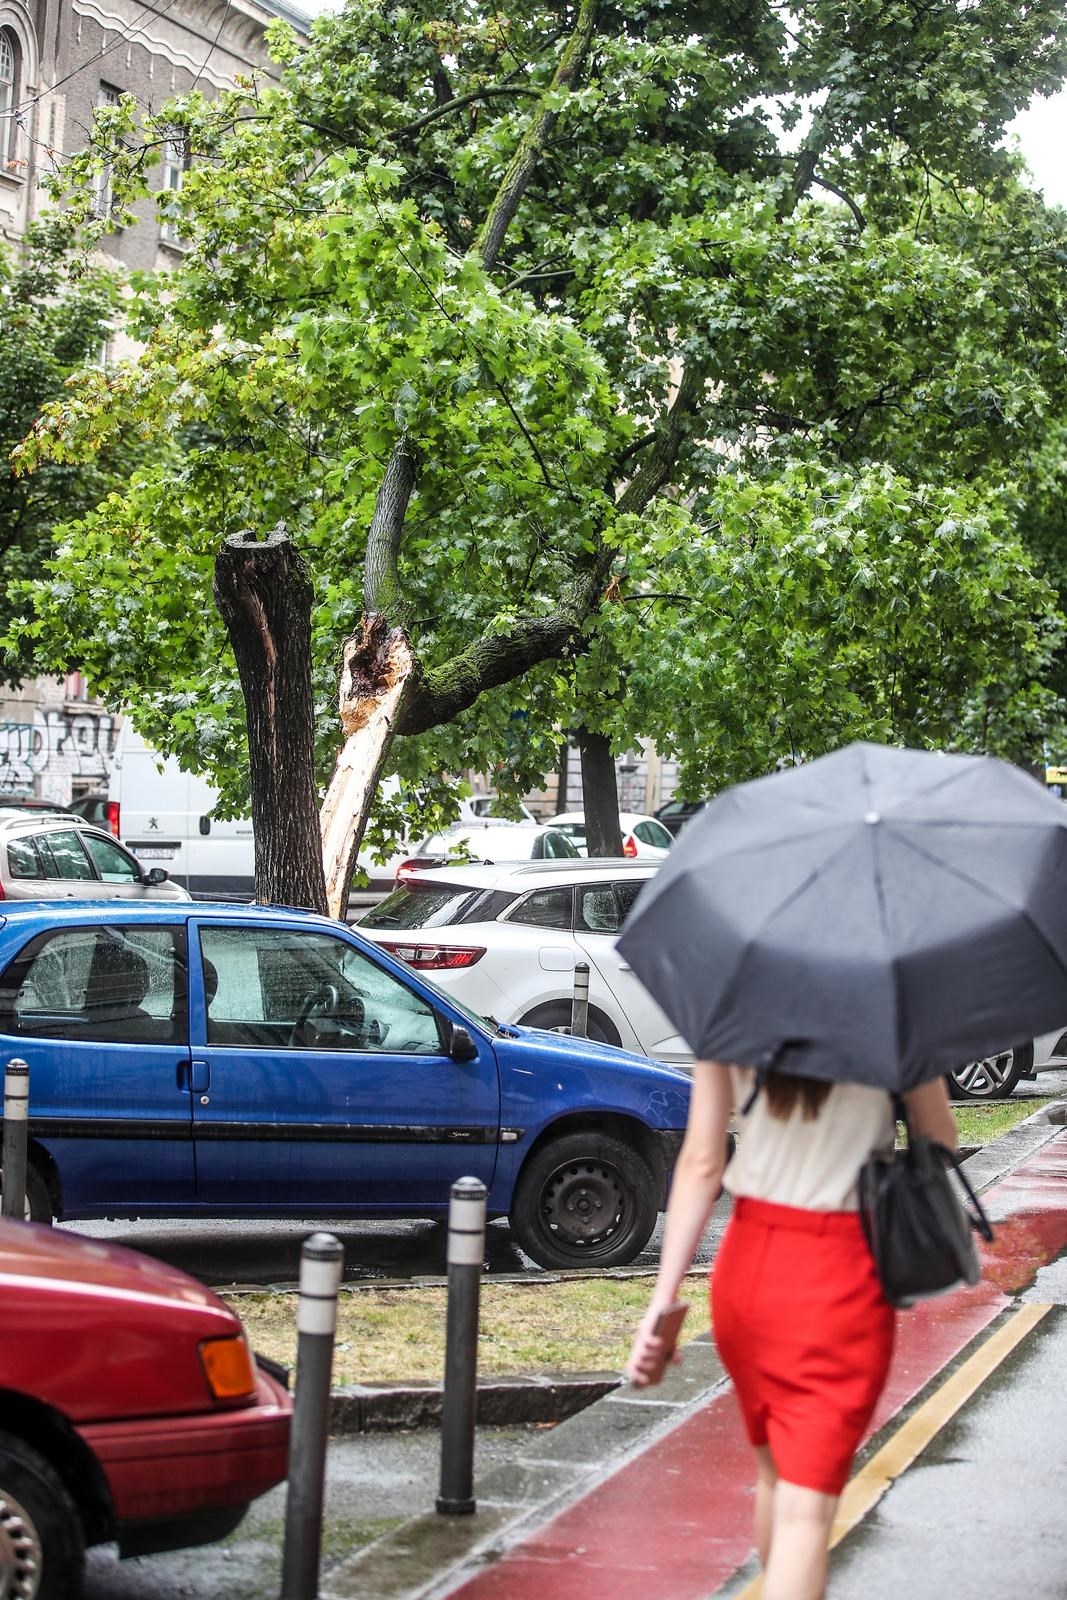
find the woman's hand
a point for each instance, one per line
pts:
(649, 1354)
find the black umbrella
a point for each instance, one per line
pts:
(878, 916)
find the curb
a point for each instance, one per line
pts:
(369, 1408)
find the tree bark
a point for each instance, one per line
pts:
(377, 670)
(531, 146)
(264, 595)
(600, 795)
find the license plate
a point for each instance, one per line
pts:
(153, 852)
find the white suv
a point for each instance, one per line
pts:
(43, 857)
(504, 940)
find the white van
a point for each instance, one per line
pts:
(165, 818)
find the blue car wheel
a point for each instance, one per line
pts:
(584, 1200)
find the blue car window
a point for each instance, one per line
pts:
(120, 985)
(285, 989)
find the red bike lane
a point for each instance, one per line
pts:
(676, 1519)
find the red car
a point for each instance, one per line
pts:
(130, 1409)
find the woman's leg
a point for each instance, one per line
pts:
(766, 1478)
(800, 1532)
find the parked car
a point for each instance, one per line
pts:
(674, 814)
(46, 857)
(996, 1077)
(506, 940)
(30, 802)
(98, 810)
(492, 839)
(132, 1410)
(192, 1059)
(479, 805)
(641, 836)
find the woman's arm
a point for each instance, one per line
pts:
(930, 1112)
(695, 1188)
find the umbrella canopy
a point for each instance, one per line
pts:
(876, 916)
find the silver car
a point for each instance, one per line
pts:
(47, 856)
(994, 1077)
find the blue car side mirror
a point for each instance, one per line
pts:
(461, 1046)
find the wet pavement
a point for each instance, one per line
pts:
(980, 1516)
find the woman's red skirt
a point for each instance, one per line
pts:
(805, 1332)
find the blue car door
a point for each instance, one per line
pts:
(321, 1079)
(100, 1013)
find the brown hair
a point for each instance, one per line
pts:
(784, 1091)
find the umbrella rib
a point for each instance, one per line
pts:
(984, 888)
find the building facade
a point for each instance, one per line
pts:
(59, 60)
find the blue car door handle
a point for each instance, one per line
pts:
(195, 1076)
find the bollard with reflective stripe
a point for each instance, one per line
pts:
(16, 1129)
(466, 1253)
(321, 1260)
(580, 1002)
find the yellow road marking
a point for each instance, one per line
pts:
(897, 1454)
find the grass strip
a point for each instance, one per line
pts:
(398, 1335)
(978, 1123)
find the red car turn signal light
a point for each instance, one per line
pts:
(228, 1368)
(436, 957)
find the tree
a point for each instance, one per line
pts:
(514, 317)
(50, 324)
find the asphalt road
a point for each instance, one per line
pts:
(237, 1252)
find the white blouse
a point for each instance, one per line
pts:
(812, 1164)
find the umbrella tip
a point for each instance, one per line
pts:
(872, 816)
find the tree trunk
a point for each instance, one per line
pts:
(600, 795)
(563, 775)
(264, 595)
(376, 677)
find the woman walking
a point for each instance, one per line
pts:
(798, 1314)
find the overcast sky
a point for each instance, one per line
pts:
(1042, 131)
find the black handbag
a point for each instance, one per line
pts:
(918, 1228)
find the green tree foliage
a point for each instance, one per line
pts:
(724, 337)
(50, 324)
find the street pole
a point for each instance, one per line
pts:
(466, 1254)
(16, 1130)
(321, 1260)
(580, 1002)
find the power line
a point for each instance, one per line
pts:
(20, 111)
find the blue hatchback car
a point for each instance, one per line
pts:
(189, 1059)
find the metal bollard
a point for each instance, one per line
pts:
(16, 1129)
(580, 1002)
(321, 1260)
(466, 1253)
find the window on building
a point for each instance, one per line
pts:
(9, 87)
(175, 165)
(106, 96)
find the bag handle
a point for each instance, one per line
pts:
(977, 1217)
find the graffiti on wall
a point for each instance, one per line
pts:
(55, 747)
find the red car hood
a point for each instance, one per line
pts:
(28, 1250)
(101, 1333)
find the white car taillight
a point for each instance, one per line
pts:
(436, 957)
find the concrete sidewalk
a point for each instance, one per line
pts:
(649, 1497)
